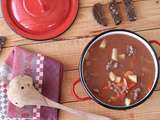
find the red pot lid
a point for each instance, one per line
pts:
(39, 19)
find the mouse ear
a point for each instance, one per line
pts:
(23, 80)
(27, 80)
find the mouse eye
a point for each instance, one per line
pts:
(16, 103)
(22, 87)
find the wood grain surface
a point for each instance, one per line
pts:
(147, 111)
(68, 47)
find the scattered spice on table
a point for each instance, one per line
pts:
(2, 42)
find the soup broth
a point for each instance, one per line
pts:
(119, 70)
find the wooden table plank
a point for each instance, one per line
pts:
(148, 12)
(69, 51)
(67, 84)
(147, 111)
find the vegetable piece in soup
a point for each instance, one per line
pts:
(119, 71)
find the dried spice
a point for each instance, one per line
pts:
(112, 65)
(136, 93)
(109, 65)
(115, 12)
(2, 42)
(130, 10)
(116, 89)
(130, 50)
(99, 14)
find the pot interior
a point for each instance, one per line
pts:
(119, 69)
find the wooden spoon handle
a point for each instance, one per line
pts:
(89, 116)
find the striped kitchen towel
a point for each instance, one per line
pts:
(47, 76)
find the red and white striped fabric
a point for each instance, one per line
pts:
(3, 97)
(38, 83)
(41, 69)
(38, 86)
(4, 102)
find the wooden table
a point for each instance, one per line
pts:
(67, 48)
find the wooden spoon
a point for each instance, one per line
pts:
(21, 92)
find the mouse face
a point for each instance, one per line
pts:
(19, 87)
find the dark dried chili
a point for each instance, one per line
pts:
(2, 41)
(130, 10)
(99, 14)
(115, 11)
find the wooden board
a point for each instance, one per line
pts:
(68, 47)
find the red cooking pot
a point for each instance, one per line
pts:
(88, 89)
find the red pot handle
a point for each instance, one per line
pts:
(157, 43)
(75, 93)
